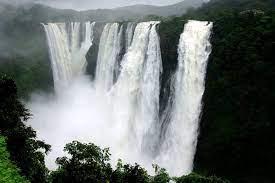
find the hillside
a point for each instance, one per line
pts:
(237, 121)
(175, 9)
(46, 13)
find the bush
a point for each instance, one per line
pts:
(87, 163)
(194, 178)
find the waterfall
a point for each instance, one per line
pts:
(120, 108)
(108, 54)
(67, 50)
(136, 93)
(181, 137)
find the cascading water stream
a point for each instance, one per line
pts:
(73, 31)
(59, 51)
(107, 61)
(181, 136)
(136, 91)
(67, 51)
(148, 114)
(129, 34)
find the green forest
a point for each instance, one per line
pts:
(236, 141)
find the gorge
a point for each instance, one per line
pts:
(120, 107)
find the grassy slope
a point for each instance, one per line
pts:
(8, 172)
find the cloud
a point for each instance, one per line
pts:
(17, 2)
(91, 4)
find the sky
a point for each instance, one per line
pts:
(93, 4)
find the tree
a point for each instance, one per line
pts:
(161, 176)
(130, 174)
(25, 150)
(87, 163)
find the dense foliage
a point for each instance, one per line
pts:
(236, 132)
(9, 173)
(129, 173)
(194, 178)
(30, 74)
(25, 150)
(90, 164)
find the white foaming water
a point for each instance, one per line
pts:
(122, 111)
(181, 136)
(107, 61)
(141, 67)
(129, 34)
(148, 116)
(67, 51)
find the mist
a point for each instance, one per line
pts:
(80, 112)
(76, 112)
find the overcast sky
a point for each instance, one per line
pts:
(94, 4)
